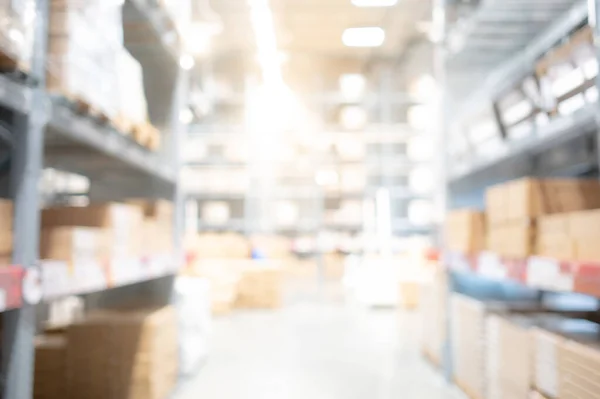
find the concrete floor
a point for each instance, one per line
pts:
(317, 349)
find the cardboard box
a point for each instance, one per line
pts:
(531, 198)
(124, 354)
(50, 373)
(512, 239)
(260, 287)
(160, 211)
(465, 231)
(73, 244)
(584, 224)
(549, 339)
(122, 223)
(496, 203)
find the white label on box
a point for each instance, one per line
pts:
(545, 273)
(490, 266)
(56, 279)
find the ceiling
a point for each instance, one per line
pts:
(315, 27)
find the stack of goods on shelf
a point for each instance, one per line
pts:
(465, 231)
(334, 265)
(17, 25)
(433, 314)
(260, 287)
(50, 373)
(123, 354)
(6, 231)
(157, 226)
(570, 236)
(89, 66)
(86, 238)
(129, 354)
(514, 208)
(218, 258)
(565, 353)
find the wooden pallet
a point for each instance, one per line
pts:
(146, 135)
(14, 67)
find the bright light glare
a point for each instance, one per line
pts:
(353, 117)
(374, 3)
(424, 87)
(352, 86)
(186, 116)
(421, 117)
(327, 177)
(269, 58)
(363, 37)
(186, 62)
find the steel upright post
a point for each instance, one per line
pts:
(594, 18)
(179, 132)
(19, 325)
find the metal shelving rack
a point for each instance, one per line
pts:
(47, 133)
(566, 146)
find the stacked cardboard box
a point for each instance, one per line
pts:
(16, 34)
(123, 355)
(468, 338)
(157, 226)
(74, 244)
(272, 247)
(260, 287)
(514, 208)
(551, 371)
(119, 222)
(465, 231)
(509, 355)
(570, 236)
(6, 234)
(433, 313)
(224, 278)
(334, 265)
(50, 379)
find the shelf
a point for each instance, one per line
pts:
(60, 279)
(535, 272)
(79, 144)
(15, 95)
(560, 130)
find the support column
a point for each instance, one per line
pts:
(19, 325)
(179, 135)
(594, 18)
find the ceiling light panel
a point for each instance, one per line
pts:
(374, 3)
(363, 37)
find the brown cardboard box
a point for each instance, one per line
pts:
(123, 354)
(584, 224)
(160, 211)
(157, 240)
(122, 223)
(465, 230)
(514, 239)
(496, 203)
(50, 375)
(549, 354)
(74, 243)
(531, 198)
(260, 286)
(6, 215)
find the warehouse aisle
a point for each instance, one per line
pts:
(317, 350)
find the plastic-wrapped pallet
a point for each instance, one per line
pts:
(83, 47)
(548, 356)
(123, 355)
(16, 34)
(50, 379)
(192, 300)
(133, 108)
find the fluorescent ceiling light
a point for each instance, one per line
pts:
(352, 86)
(363, 37)
(374, 3)
(186, 62)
